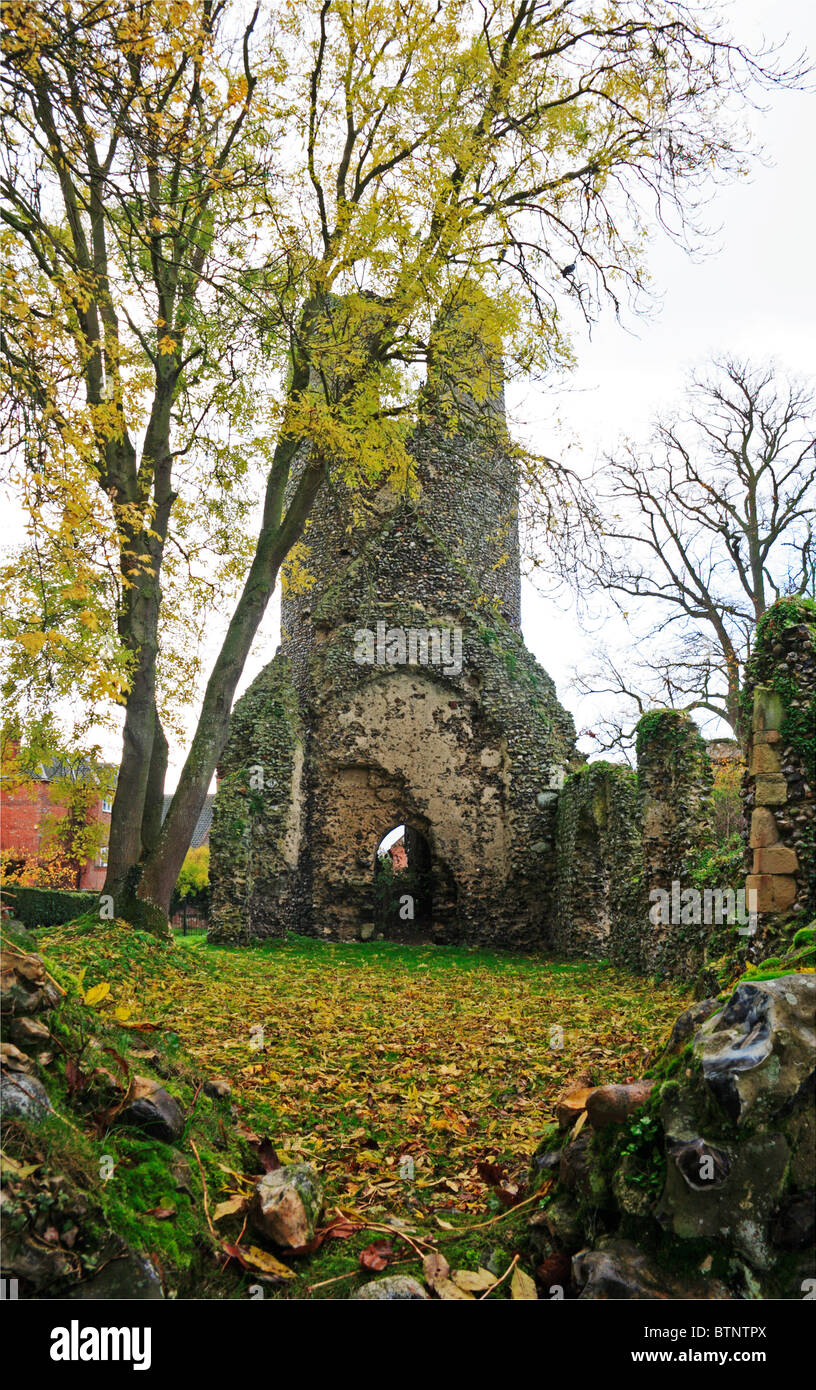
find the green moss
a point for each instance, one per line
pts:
(782, 677)
(666, 728)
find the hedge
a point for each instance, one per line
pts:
(47, 907)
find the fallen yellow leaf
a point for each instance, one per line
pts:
(97, 993)
(522, 1286)
(230, 1207)
(473, 1280)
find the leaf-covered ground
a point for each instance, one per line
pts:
(372, 1053)
(359, 1057)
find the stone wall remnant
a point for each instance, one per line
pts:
(779, 702)
(708, 1164)
(598, 848)
(674, 781)
(402, 694)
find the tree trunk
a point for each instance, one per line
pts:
(125, 844)
(142, 555)
(161, 867)
(154, 793)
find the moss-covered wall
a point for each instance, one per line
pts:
(598, 879)
(674, 783)
(257, 816)
(472, 758)
(779, 702)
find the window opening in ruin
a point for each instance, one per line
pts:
(403, 884)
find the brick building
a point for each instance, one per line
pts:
(28, 813)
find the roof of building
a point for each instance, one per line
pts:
(85, 771)
(201, 834)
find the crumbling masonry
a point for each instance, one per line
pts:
(371, 715)
(403, 694)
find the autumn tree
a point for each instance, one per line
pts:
(228, 243)
(703, 528)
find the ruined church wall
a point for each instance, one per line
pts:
(598, 886)
(674, 784)
(471, 759)
(628, 846)
(779, 787)
(464, 514)
(255, 839)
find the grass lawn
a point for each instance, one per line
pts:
(358, 1057)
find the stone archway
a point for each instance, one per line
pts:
(403, 885)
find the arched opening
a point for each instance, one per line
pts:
(403, 884)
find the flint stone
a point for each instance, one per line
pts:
(24, 984)
(794, 1223)
(620, 1270)
(738, 1206)
(611, 1105)
(217, 1087)
(23, 1098)
(13, 1059)
(757, 1055)
(396, 1286)
(287, 1205)
(40, 1265)
(548, 1161)
(129, 1276)
(690, 1022)
(154, 1111)
(701, 1165)
(29, 1032)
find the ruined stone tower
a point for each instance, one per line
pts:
(402, 694)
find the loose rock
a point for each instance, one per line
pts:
(571, 1105)
(23, 1097)
(153, 1110)
(611, 1105)
(287, 1205)
(29, 1033)
(394, 1287)
(621, 1270)
(771, 1019)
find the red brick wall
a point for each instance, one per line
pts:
(22, 813)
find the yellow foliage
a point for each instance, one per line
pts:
(295, 577)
